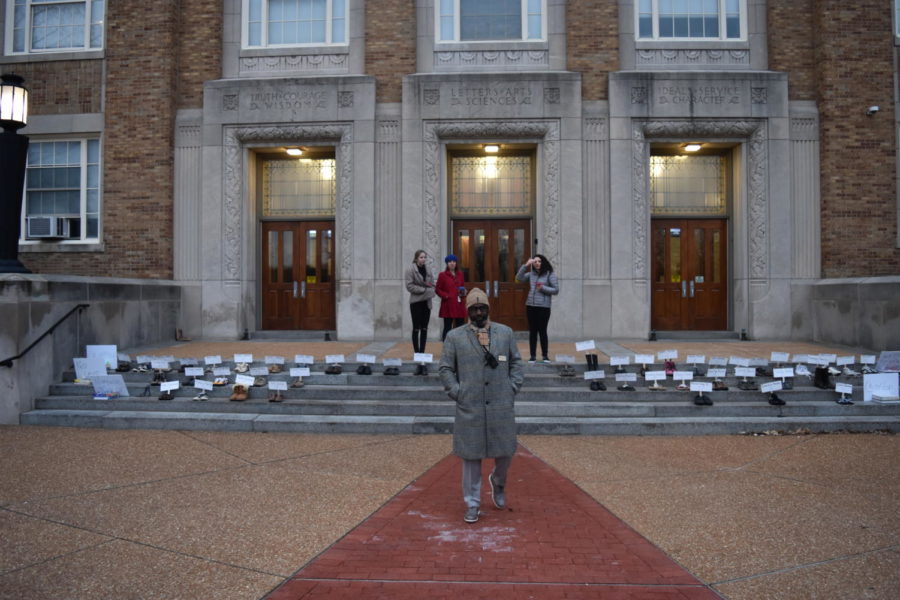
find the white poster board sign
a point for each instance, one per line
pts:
(585, 346)
(110, 385)
(334, 359)
(365, 358)
(213, 359)
(299, 371)
(88, 368)
(701, 386)
(883, 385)
(565, 359)
(243, 358)
(772, 386)
(108, 354)
(643, 359)
(304, 359)
(202, 384)
(421, 357)
(654, 375)
(393, 362)
(274, 360)
(780, 357)
(246, 380)
(594, 374)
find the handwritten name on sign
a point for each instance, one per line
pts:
(699, 94)
(490, 96)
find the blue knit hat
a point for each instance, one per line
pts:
(450, 257)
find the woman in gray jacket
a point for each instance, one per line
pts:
(420, 285)
(538, 273)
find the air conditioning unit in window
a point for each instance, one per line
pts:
(47, 227)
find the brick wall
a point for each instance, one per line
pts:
(854, 52)
(199, 49)
(137, 147)
(62, 87)
(593, 44)
(791, 45)
(390, 46)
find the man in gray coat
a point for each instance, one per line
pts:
(482, 371)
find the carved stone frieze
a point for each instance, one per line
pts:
(311, 63)
(754, 132)
(545, 130)
(489, 58)
(596, 129)
(804, 129)
(237, 138)
(653, 58)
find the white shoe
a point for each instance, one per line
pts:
(869, 370)
(802, 370)
(833, 371)
(848, 372)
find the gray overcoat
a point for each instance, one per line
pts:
(485, 425)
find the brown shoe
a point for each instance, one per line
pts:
(239, 393)
(276, 396)
(297, 383)
(276, 368)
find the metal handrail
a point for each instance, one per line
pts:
(9, 361)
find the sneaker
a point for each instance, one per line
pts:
(802, 370)
(848, 372)
(748, 385)
(297, 382)
(844, 401)
(497, 493)
(682, 387)
(719, 386)
(166, 396)
(201, 396)
(471, 514)
(867, 370)
(774, 400)
(625, 388)
(531, 361)
(545, 360)
(241, 368)
(670, 367)
(701, 400)
(597, 385)
(833, 371)
(656, 387)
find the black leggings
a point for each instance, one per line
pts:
(538, 317)
(420, 313)
(450, 323)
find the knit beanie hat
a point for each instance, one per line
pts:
(450, 257)
(476, 296)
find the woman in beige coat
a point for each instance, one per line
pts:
(420, 285)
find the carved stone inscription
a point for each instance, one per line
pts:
(293, 100)
(490, 96)
(698, 94)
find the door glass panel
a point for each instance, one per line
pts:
(503, 254)
(463, 247)
(311, 274)
(288, 253)
(699, 256)
(479, 255)
(675, 255)
(659, 256)
(273, 256)
(326, 262)
(519, 242)
(716, 256)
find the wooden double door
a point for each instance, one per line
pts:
(298, 287)
(490, 252)
(689, 274)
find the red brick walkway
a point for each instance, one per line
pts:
(553, 541)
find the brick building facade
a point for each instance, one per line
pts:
(592, 100)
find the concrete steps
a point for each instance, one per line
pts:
(407, 404)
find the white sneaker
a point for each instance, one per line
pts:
(833, 371)
(802, 370)
(848, 372)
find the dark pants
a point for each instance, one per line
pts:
(420, 315)
(538, 317)
(450, 323)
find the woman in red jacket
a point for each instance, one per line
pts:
(451, 290)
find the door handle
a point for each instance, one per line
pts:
(692, 288)
(684, 289)
(496, 288)
(295, 289)
(303, 289)
(487, 288)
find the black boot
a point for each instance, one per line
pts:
(589, 362)
(822, 380)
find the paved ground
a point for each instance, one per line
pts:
(98, 514)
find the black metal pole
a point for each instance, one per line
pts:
(13, 156)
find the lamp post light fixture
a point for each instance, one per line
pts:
(13, 157)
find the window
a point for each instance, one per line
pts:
(687, 185)
(62, 190)
(54, 25)
(690, 19)
(490, 20)
(491, 186)
(272, 23)
(303, 187)
(896, 17)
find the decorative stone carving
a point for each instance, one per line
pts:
(757, 183)
(345, 99)
(308, 63)
(236, 138)
(596, 129)
(491, 58)
(551, 95)
(230, 102)
(804, 129)
(689, 58)
(546, 130)
(759, 95)
(432, 97)
(639, 95)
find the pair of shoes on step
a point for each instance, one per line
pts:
(701, 400)
(202, 396)
(238, 393)
(567, 371)
(333, 370)
(597, 385)
(276, 396)
(392, 371)
(421, 369)
(297, 382)
(363, 370)
(167, 396)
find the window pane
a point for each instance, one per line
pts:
(326, 260)
(675, 255)
(491, 186)
(273, 257)
(687, 185)
(302, 187)
(498, 20)
(503, 254)
(287, 253)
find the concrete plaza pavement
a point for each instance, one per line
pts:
(96, 514)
